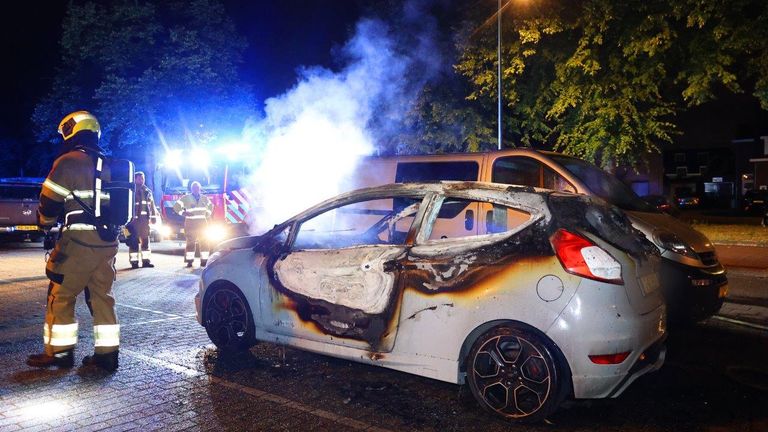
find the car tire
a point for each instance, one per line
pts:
(228, 319)
(517, 373)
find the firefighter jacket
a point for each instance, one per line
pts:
(145, 204)
(72, 174)
(194, 209)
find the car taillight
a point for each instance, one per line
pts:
(583, 258)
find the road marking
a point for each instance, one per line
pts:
(162, 363)
(742, 323)
(288, 403)
(151, 321)
(148, 310)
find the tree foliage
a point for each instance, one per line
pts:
(148, 68)
(604, 79)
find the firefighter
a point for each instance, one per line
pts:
(197, 210)
(144, 213)
(81, 260)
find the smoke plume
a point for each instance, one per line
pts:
(312, 137)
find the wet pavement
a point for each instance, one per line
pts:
(172, 378)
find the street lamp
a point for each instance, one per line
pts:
(498, 73)
(499, 97)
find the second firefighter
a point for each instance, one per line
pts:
(144, 213)
(197, 209)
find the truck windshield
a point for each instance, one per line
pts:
(604, 185)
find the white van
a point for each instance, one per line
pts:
(694, 281)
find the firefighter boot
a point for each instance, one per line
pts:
(203, 263)
(146, 263)
(64, 359)
(106, 361)
(134, 264)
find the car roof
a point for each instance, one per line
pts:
(512, 195)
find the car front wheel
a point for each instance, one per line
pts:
(514, 372)
(228, 319)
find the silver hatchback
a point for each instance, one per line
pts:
(549, 296)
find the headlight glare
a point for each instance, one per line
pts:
(215, 233)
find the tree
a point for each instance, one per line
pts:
(150, 71)
(604, 79)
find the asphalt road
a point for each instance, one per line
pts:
(172, 378)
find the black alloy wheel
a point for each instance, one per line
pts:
(514, 373)
(228, 320)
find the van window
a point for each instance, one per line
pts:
(517, 171)
(603, 184)
(554, 181)
(435, 171)
(474, 218)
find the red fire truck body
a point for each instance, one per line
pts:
(219, 182)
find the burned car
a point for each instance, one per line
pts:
(528, 295)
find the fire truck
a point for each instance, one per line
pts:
(221, 179)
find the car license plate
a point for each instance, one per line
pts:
(758, 201)
(25, 227)
(649, 283)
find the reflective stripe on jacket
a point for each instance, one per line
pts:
(194, 208)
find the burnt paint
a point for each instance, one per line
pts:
(605, 221)
(483, 264)
(341, 321)
(337, 320)
(431, 308)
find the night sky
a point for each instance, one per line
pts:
(282, 35)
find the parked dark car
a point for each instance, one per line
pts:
(756, 202)
(686, 199)
(19, 198)
(663, 203)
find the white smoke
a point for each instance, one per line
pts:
(313, 136)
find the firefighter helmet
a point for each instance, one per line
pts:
(78, 121)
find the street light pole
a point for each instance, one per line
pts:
(498, 53)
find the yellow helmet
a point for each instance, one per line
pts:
(78, 121)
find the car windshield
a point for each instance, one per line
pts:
(604, 185)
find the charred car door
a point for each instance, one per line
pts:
(338, 281)
(440, 270)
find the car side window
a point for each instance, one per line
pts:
(370, 222)
(477, 218)
(517, 170)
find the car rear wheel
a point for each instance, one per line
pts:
(228, 319)
(515, 373)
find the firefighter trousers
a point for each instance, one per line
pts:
(81, 262)
(139, 248)
(194, 231)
